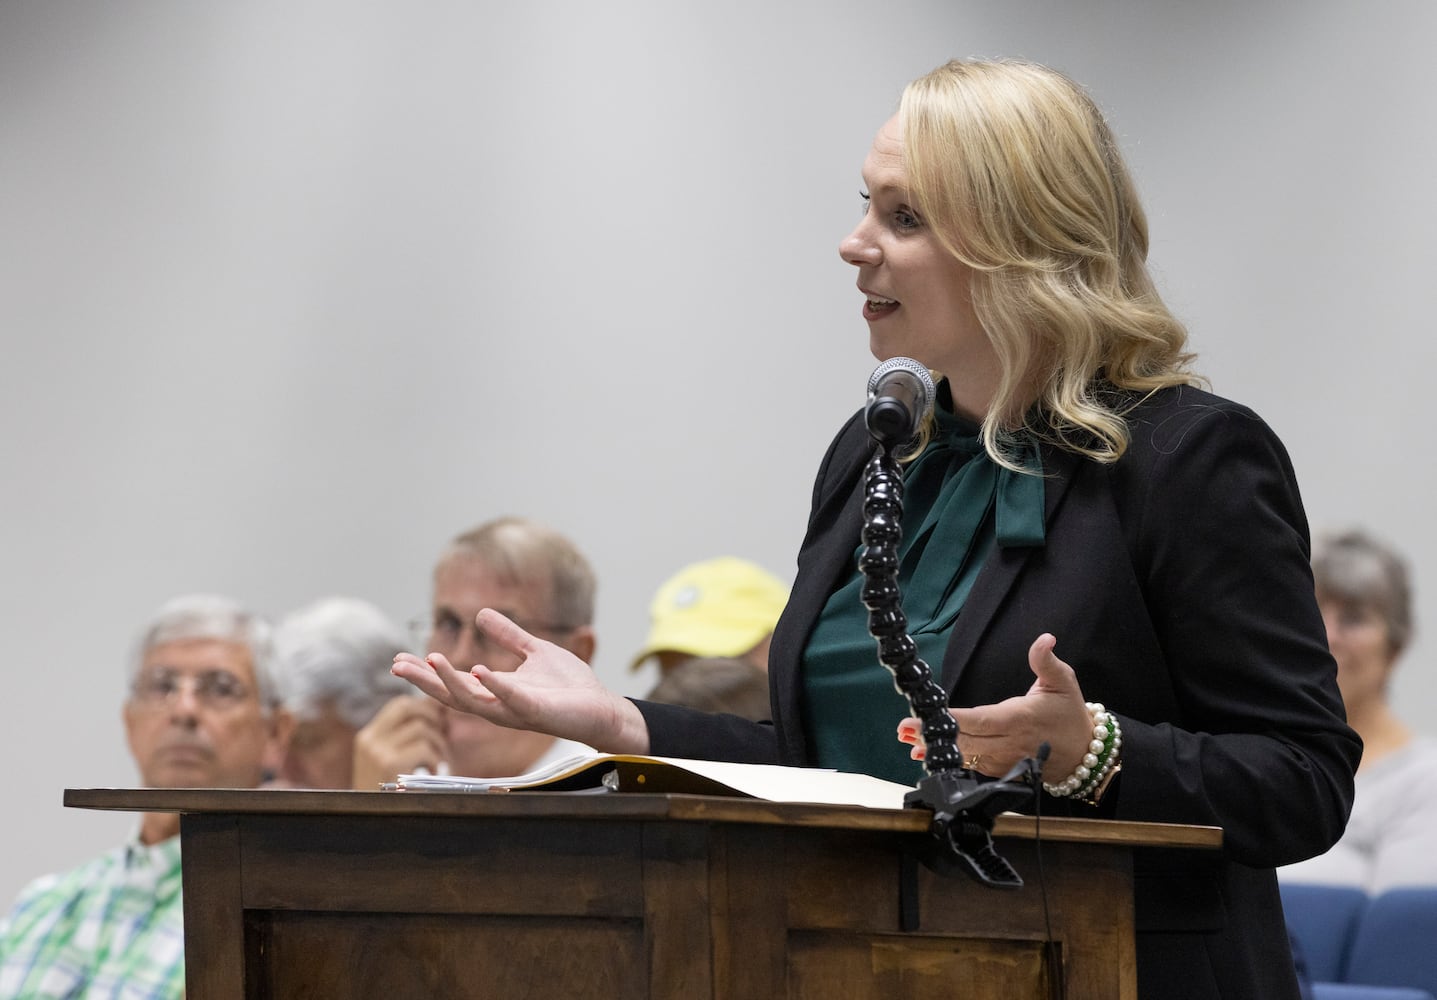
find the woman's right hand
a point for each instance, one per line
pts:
(551, 691)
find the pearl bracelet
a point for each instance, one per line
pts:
(1101, 758)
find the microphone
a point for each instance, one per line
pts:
(900, 394)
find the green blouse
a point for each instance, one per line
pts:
(957, 503)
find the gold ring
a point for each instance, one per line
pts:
(972, 762)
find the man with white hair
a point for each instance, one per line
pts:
(201, 713)
(334, 657)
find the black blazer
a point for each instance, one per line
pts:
(1178, 585)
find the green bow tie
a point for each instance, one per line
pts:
(958, 484)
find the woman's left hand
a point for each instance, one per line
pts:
(993, 738)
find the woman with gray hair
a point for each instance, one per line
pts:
(333, 657)
(1365, 596)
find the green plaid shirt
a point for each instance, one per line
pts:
(111, 928)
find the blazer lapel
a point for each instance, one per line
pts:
(825, 557)
(1001, 571)
(833, 533)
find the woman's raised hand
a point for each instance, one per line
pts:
(998, 736)
(552, 691)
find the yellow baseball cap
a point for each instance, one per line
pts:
(718, 607)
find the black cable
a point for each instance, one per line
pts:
(1057, 987)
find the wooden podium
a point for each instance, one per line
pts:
(299, 894)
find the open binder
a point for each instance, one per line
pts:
(673, 775)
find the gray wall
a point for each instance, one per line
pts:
(291, 293)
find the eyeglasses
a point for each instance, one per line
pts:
(216, 690)
(445, 630)
(1349, 616)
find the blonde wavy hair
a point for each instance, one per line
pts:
(1016, 171)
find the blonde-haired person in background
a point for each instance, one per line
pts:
(1365, 593)
(202, 712)
(1077, 493)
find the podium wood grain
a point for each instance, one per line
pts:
(300, 894)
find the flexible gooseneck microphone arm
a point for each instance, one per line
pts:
(963, 807)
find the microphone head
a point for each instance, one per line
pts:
(900, 394)
(916, 368)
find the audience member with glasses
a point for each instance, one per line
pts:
(538, 578)
(202, 711)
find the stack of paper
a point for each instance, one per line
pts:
(635, 772)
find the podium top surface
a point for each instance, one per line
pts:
(630, 807)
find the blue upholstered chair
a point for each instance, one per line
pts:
(1396, 941)
(1358, 991)
(1323, 921)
